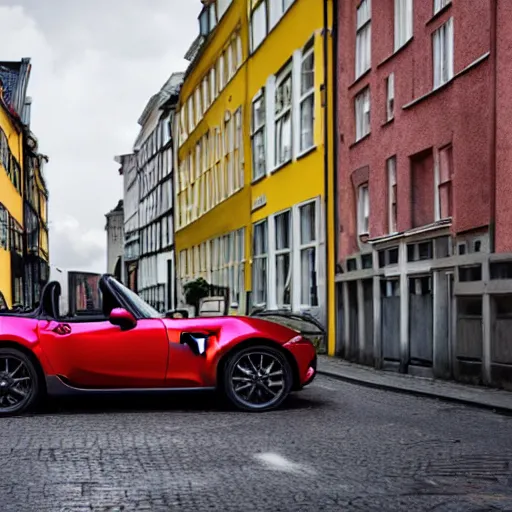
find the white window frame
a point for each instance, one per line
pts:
(300, 247)
(190, 114)
(284, 76)
(443, 53)
(256, 258)
(213, 85)
(392, 195)
(440, 4)
(404, 20)
(390, 97)
(256, 129)
(275, 253)
(239, 51)
(305, 96)
(198, 105)
(363, 55)
(206, 94)
(262, 7)
(363, 209)
(222, 7)
(362, 103)
(221, 72)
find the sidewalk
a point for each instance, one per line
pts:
(496, 399)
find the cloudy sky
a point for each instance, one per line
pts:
(95, 63)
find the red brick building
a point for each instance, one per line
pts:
(424, 159)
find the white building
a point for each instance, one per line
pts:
(154, 162)
(131, 218)
(115, 240)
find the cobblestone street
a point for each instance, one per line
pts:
(335, 446)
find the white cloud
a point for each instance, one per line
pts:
(94, 66)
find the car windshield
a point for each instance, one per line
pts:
(146, 310)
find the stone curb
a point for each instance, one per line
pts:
(448, 395)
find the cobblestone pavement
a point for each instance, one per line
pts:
(336, 446)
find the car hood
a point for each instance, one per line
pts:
(234, 327)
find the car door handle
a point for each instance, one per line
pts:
(62, 329)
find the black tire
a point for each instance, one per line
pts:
(262, 357)
(19, 380)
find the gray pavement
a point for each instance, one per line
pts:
(335, 446)
(497, 399)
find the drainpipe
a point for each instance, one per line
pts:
(335, 31)
(493, 142)
(326, 161)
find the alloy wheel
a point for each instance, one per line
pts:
(258, 379)
(16, 383)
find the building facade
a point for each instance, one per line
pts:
(422, 167)
(254, 141)
(36, 244)
(154, 163)
(131, 245)
(115, 240)
(20, 255)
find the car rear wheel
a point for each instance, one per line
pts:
(257, 378)
(19, 382)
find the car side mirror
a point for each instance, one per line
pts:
(123, 319)
(197, 341)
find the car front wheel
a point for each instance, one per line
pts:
(19, 382)
(257, 378)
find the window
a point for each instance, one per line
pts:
(199, 109)
(239, 51)
(221, 72)
(258, 25)
(238, 152)
(260, 255)
(283, 117)
(363, 38)
(390, 100)
(190, 106)
(362, 105)
(283, 262)
(213, 15)
(4, 228)
(213, 85)
(231, 62)
(440, 4)
(16, 237)
(308, 254)
(445, 182)
(403, 22)
(392, 197)
(443, 53)
(258, 137)
(307, 100)
(222, 7)
(206, 94)
(363, 210)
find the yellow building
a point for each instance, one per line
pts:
(11, 206)
(272, 62)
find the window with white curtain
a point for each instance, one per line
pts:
(443, 53)
(392, 196)
(363, 210)
(390, 99)
(362, 108)
(213, 85)
(403, 22)
(259, 262)
(199, 107)
(231, 63)
(238, 161)
(439, 4)
(283, 117)
(221, 72)
(307, 98)
(239, 51)
(206, 94)
(308, 254)
(258, 25)
(363, 37)
(190, 105)
(282, 258)
(258, 137)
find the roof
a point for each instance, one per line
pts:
(14, 77)
(117, 210)
(170, 88)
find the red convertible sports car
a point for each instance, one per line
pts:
(130, 347)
